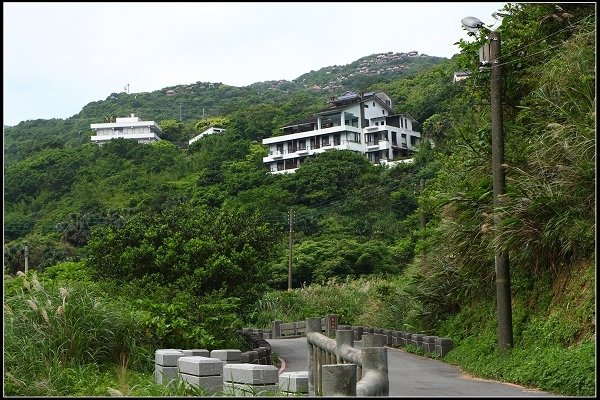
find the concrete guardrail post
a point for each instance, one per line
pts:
(375, 381)
(276, 329)
(343, 337)
(312, 325)
(339, 380)
(373, 340)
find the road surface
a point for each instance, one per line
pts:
(411, 375)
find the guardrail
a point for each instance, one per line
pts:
(336, 368)
(296, 329)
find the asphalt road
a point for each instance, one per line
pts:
(411, 375)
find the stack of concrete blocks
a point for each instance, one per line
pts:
(203, 372)
(389, 337)
(261, 349)
(417, 340)
(429, 344)
(442, 346)
(251, 380)
(293, 383)
(407, 338)
(165, 365)
(249, 357)
(263, 354)
(227, 356)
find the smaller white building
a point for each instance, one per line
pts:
(209, 131)
(461, 75)
(126, 128)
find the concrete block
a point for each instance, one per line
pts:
(294, 382)
(229, 355)
(164, 375)
(418, 339)
(196, 352)
(212, 384)
(200, 366)
(167, 357)
(251, 374)
(358, 332)
(401, 339)
(388, 335)
(442, 346)
(429, 344)
(246, 390)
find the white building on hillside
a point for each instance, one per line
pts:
(365, 123)
(209, 131)
(126, 128)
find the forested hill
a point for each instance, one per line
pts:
(192, 102)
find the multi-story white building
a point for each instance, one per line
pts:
(126, 128)
(365, 123)
(209, 131)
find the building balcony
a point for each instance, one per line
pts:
(309, 134)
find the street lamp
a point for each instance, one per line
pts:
(503, 301)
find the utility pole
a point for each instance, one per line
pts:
(503, 306)
(421, 188)
(26, 254)
(291, 224)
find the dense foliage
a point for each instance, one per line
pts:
(179, 246)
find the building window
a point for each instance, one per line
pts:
(366, 106)
(280, 147)
(388, 102)
(373, 104)
(401, 122)
(302, 144)
(383, 112)
(280, 166)
(394, 139)
(325, 140)
(337, 139)
(354, 137)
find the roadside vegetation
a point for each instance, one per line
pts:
(138, 247)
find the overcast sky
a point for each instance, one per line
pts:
(58, 57)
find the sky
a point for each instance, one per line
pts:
(60, 56)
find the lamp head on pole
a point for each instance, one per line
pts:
(472, 24)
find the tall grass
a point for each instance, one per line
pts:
(54, 335)
(375, 301)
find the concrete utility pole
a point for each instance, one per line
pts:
(504, 308)
(26, 254)
(291, 224)
(421, 188)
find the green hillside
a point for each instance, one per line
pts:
(136, 247)
(191, 102)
